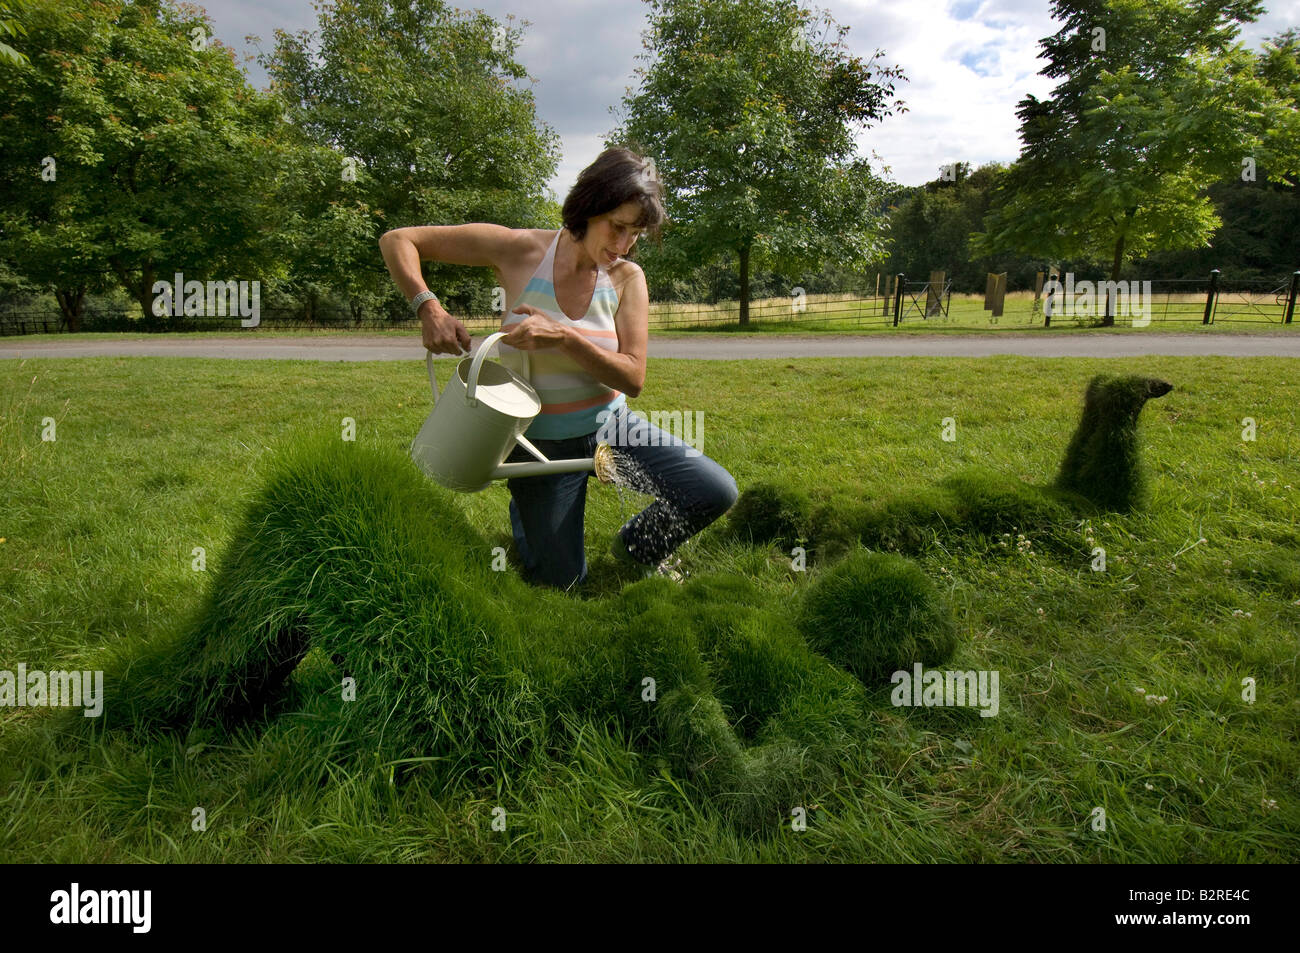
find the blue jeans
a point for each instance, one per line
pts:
(546, 512)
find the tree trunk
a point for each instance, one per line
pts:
(744, 285)
(141, 289)
(72, 302)
(1109, 319)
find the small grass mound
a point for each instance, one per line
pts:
(904, 524)
(877, 613)
(768, 513)
(989, 502)
(971, 503)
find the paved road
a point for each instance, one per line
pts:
(711, 347)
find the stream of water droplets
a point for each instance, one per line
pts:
(662, 526)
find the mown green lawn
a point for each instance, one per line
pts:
(155, 457)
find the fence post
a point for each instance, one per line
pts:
(1210, 296)
(1291, 296)
(1054, 279)
(898, 296)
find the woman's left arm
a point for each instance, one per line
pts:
(624, 370)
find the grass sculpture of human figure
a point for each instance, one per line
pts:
(577, 331)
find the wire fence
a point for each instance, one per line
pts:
(1055, 302)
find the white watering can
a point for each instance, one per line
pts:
(477, 421)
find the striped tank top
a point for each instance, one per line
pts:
(571, 398)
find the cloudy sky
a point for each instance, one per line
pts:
(968, 63)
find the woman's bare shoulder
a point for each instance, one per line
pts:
(533, 239)
(623, 271)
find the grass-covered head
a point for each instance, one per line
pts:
(876, 613)
(1103, 462)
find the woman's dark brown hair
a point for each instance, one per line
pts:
(618, 175)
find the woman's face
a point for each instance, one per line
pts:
(612, 235)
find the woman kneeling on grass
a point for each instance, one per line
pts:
(577, 332)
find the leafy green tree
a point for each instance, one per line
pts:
(1157, 101)
(1257, 239)
(1279, 69)
(930, 228)
(11, 27)
(135, 149)
(423, 103)
(749, 109)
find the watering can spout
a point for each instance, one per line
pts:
(602, 463)
(478, 420)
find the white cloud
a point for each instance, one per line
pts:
(968, 62)
(967, 65)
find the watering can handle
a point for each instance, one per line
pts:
(433, 379)
(479, 358)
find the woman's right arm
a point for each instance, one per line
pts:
(403, 250)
